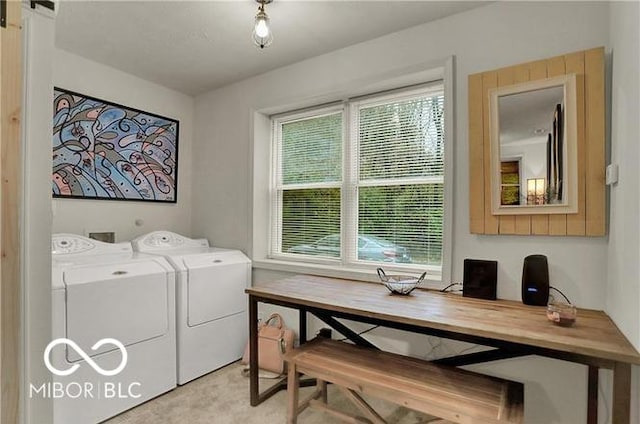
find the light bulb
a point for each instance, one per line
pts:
(262, 35)
(262, 29)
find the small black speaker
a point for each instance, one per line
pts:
(479, 279)
(535, 280)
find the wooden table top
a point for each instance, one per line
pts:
(593, 334)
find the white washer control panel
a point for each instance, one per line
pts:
(163, 239)
(167, 240)
(68, 244)
(71, 244)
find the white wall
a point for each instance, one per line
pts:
(481, 39)
(485, 38)
(79, 216)
(493, 36)
(623, 261)
(623, 289)
(38, 29)
(533, 154)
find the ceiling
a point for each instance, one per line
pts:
(528, 116)
(197, 46)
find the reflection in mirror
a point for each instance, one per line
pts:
(528, 134)
(534, 147)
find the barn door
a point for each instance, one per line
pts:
(10, 162)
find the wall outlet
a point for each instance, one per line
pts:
(325, 332)
(104, 236)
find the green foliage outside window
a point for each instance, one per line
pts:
(400, 170)
(308, 215)
(312, 150)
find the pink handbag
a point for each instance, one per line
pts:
(274, 339)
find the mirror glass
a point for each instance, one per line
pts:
(533, 147)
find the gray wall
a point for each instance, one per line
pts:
(81, 216)
(493, 36)
(623, 259)
(485, 38)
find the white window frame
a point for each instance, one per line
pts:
(275, 220)
(353, 183)
(260, 157)
(350, 183)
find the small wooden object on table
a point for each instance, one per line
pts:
(450, 393)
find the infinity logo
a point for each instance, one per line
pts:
(87, 358)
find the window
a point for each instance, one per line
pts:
(361, 183)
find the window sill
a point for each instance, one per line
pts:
(431, 281)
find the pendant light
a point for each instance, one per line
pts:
(262, 35)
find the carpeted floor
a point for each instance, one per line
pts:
(222, 397)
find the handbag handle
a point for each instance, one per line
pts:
(276, 318)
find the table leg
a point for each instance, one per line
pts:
(592, 395)
(254, 388)
(302, 327)
(255, 397)
(621, 393)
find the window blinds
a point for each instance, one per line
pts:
(400, 175)
(309, 185)
(388, 203)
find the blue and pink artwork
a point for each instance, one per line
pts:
(103, 150)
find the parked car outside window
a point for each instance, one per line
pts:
(370, 248)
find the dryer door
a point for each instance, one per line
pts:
(127, 302)
(216, 284)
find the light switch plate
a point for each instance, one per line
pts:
(611, 174)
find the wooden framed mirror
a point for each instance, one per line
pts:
(589, 217)
(533, 131)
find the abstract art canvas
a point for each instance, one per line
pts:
(102, 150)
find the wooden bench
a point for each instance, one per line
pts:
(450, 393)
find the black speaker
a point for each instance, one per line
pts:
(479, 279)
(535, 280)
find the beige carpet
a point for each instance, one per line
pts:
(222, 397)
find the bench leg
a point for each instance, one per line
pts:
(317, 405)
(322, 388)
(293, 384)
(362, 405)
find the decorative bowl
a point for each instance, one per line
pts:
(562, 314)
(400, 284)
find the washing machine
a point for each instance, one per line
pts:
(114, 343)
(211, 306)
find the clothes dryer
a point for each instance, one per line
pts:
(211, 305)
(104, 292)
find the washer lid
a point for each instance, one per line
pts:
(127, 302)
(96, 272)
(215, 286)
(215, 259)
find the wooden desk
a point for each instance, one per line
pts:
(512, 328)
